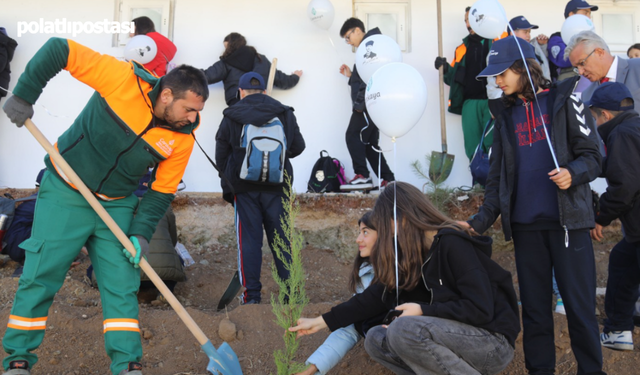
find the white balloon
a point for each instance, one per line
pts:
(396, 98)
(140, 48)
(575, 24)
(374, 52)
(488, 18)
(321, 13)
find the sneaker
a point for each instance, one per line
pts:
(618, 340)
(359, 182)
(18, 368)
(134, 368)
(560, 307)
(251, 302)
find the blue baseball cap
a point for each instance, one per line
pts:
(521, 23)
(574, 5)
(245, 82)
(504, 53)
(609, 96)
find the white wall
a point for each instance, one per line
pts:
(278, 28)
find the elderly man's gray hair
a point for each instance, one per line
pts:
(590, 39)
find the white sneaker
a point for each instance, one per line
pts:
(618, 340)
(560, 307)
(359, 182)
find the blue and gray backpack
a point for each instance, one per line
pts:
(266, 147)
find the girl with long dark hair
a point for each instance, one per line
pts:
(544, 154)
(458, 312)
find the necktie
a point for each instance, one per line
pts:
(605, 79)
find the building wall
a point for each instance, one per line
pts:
(277, 29)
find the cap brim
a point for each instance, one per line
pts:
(534, 27)
(494, 70)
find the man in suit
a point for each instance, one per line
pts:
(590, 56)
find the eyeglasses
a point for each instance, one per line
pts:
(581, 63)
(346, 37)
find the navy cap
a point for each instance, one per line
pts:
(504, 53)
(521, 23)
(574, 5)
(245, 82)
(609, 95)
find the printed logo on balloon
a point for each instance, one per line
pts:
(140, 48)
(488, 19)
(321, 13)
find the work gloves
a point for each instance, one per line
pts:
(18, 110)
(441, 62)
(142, 249)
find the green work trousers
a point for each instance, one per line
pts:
(63, 223)
(475, 115)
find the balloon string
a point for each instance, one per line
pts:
(334, 47)
(535, 94)
(45, 108)
(395, 222)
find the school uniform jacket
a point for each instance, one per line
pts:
(575, 142)
(114, 140)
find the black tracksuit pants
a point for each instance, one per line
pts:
(255, 210)
(537, 252)
(361, 147)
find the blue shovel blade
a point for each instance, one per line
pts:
(222, 361)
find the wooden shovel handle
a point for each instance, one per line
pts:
(443, 125)
(272, 75)
(124, 240)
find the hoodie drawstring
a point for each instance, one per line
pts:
(530, 119)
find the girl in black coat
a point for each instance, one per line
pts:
(239, 58)
(457, 308)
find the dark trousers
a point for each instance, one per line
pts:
(360, 141)
(255, 210)
(622, 286)
(537, 252)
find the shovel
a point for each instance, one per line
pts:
(222, 361)
(441, 162)
(234, 285)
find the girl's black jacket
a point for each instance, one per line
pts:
(459, 282)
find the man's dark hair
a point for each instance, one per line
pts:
(467, 9)
(144, 25)
(185, 78)
(627, 102)
(350, 24)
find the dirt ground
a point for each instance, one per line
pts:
(74, 345)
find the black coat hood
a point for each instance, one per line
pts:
(255, 109)
(243, 58)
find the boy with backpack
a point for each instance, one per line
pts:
(255, 140)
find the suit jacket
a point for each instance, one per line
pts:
(628, 73)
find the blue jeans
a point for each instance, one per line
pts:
(622, 286)
(430, 345)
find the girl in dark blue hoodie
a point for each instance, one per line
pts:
(458, 309)
(546, 206)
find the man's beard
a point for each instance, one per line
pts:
(168, 118)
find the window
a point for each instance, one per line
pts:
(391, 16)
(618, 24)
(159, 11)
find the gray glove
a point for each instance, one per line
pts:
(18, 110)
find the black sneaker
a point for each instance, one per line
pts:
(18, 368)
(134, 368)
